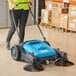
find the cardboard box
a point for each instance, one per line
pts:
(72, 14)
(56, 19)
(72, 24)
(56, 10)
(58, 7)
(48, 5)
(65, 10)
(72, 11)
(46, 16)
(64, 21)
(60, 10)
(72, 7)
(66, 5)
(60, 20)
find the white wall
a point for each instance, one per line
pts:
(3, 14)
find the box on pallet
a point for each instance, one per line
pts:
(60, 14)
(46, 16)
(64, 21)
(72, 11)
(60, 20)
(72, 24)
(58, 7)
(48, 5)
(65, 10)
(72, 17)
(56, 19)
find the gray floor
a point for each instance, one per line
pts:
(64, 41)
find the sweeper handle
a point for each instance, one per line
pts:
(24, 3)
(33, 18)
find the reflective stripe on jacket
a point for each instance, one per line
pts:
(20, 6)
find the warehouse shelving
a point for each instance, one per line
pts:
(66, 1)
(68, 21)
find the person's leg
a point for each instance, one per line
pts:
(23, 20)
(12, 28)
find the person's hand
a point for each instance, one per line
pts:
(31, 5)
(15, 6)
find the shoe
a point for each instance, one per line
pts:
(8, 45)
(19, 43)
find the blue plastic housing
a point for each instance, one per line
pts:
(39, 49)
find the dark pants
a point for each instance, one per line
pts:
(20, 17)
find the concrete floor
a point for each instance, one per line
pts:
(64, 41)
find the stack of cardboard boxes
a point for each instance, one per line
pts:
(60, 14)
(56, 13)
(46, 14)
(72, 17)
(64, 16)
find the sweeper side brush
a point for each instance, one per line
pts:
(37, 52)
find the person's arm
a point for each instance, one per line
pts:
(12, 3)
(31, 4)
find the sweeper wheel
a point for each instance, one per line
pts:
(15, 53)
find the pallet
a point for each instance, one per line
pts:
(72, 31)
(44, 24)
(57, 28)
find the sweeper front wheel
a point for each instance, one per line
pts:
(15, 53)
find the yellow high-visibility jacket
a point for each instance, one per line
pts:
(20, 6)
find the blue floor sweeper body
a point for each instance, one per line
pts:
(36, 51)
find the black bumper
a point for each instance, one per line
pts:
(45, 58)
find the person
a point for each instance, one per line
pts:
(20, 14)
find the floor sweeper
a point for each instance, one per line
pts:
(37, 52)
